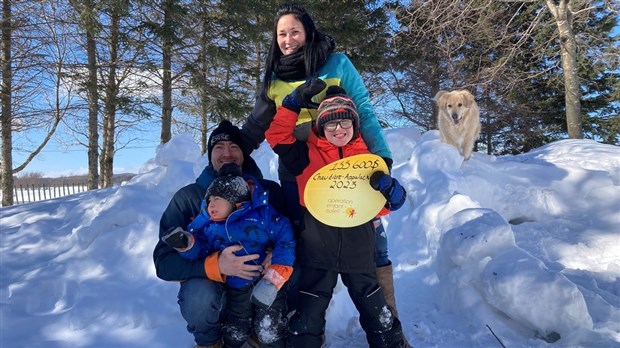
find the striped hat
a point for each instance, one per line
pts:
(336, 106)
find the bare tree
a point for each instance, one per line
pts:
(7, 135)
(167, 43)
(122, 80)
(57, 53)
(87, 13)
(562, 11)
(110, 101)
(34, 96)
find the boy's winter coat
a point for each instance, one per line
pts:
(303, 158)
(255, 225)
(345, 250)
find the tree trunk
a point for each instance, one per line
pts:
(109, 111)
(93, 100)
(166, 106)
(564, 20)
(204, 102)
(488, 125)
(7, 136)
(204, 125)
(434, 88)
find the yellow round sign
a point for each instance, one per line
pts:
(340, 195)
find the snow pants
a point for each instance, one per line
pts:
(242, 317)
(316, 288)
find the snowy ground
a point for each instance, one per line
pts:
(527, 246)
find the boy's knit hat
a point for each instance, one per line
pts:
(225, 131)
(230, 185)
(336, 106)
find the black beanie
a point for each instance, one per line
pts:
(336, 106)
(230, 185)
(225, 131)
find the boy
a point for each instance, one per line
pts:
(236, 212)
(324, 251)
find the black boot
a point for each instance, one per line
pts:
(383, 329)
(306, 327)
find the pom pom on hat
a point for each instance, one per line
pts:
(230, 185)
(336, 106)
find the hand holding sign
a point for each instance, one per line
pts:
(340, 195)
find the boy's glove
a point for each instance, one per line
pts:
(177, 238)
(388, 161)
(391, 189)
(301, 97)
(266, 291)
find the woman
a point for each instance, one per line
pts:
(298, 52)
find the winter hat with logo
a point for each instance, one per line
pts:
(225, 131)
(230, 185)
(336, 106)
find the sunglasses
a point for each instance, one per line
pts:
(332, 125)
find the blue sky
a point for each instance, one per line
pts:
(55, 160)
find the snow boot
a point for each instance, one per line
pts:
(385, 278)
(252, 342)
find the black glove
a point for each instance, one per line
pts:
(391, 189)
(176, 237)
(389, 162)
(301, 97)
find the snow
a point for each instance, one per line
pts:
(511, 250)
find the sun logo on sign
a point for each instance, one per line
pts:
(350, 212)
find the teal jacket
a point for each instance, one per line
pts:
(337, 70)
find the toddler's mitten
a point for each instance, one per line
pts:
(266, 291)
(301, 97)
(391, 189)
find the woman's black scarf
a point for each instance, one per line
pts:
(292, 67)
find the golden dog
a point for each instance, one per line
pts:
(458, 119)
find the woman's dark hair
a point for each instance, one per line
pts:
(313, 37)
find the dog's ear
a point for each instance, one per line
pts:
(440, 99)
(468, 98)
(438, 95)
